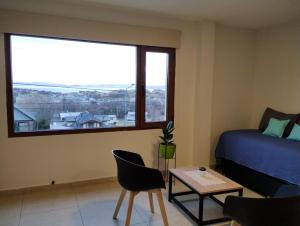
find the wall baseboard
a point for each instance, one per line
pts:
(20, 191)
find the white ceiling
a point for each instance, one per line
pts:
(245, 13)
(242, 13)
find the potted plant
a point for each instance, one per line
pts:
(167, 148)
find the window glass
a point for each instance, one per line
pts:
(156, 86)
(69, 85)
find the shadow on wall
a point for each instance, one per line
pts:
(155, 156)
(214, 142)
(162, 162)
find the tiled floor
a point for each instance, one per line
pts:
(90, 205)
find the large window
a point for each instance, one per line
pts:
(68, 86)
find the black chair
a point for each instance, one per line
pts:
(287, 190)
(133, 176)
(263, 211)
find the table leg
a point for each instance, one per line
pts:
(200, 210)
(241, 192)
(170, 187)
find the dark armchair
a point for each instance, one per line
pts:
(134, 177)
(263, 211)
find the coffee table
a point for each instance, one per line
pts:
(207, 184)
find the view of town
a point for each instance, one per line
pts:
(43, 106)
(68, 84)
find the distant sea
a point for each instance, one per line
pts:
(59, 88)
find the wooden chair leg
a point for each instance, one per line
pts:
(151, 201)
(130, 205)
(119, 203)
(162, 207)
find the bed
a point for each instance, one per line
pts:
(260, 162)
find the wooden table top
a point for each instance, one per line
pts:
(206, 189)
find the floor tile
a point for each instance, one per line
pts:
(64, 200)
(91, 193)
(142, 206)
(101, 212)
(93, 205)
(10, 210)
(62, 217)
(37, 202)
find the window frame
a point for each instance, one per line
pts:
(170, 85)
(140, 122)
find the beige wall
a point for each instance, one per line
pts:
(33, 161)
(277, 70)
(18, 22)
(233, 81)
(213, 93)
(204, 85)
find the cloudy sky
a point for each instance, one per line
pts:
(81, 63)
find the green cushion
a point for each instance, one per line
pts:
(276, 127)
(295, 133)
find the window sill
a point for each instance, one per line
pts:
(79, 131)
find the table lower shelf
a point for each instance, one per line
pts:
(199, 220)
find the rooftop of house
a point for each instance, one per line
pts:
(21, 115)
(85, 117)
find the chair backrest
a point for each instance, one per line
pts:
(132, 173)
(263, 211)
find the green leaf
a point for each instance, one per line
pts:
(170, 125)
(171, 130)
(167, 137)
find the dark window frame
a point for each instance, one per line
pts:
(170, 85)
(140, 122)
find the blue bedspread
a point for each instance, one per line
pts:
(277, 157)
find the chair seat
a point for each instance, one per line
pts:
(288, 190)
(283, 211)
